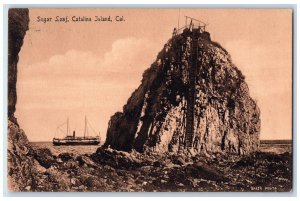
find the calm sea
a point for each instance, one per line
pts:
(277, 146)
(76, 150)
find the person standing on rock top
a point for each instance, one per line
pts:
(174, 32)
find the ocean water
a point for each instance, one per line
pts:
(276, 146)
(273, 146)
(76, 150)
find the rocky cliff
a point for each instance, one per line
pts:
(28, 169)
(20, 170)
(225, 119)
(18, 20)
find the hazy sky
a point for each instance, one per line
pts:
(91, 68)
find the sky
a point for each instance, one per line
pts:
(77, 69)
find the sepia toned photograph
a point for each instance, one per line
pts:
(150, 100)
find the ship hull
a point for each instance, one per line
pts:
(74, 143)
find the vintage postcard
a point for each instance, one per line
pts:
(149, 100)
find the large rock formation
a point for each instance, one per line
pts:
(225, 119)
(28, 169)
(20, 170)
(18, 20)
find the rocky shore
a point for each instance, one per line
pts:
(109, 170)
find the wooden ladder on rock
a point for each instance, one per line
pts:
(190, 113)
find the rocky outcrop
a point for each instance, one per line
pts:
(18, 20)
(25, 166)
(20, 169)
(21, 172)
(226, 119)
(30, 169)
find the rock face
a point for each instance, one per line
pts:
(18, 20)
(20, 172)
(225, 118)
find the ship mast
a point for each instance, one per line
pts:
(85, 127)
(68, 126)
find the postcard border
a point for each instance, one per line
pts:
(293, 193)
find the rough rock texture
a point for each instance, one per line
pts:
(20, 172)
(20, 169)
(226, 118)
(18, 20)
(30, 169)
(26, 167)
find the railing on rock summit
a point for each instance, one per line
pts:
(191, 23)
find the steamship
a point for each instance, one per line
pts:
(73, 140)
